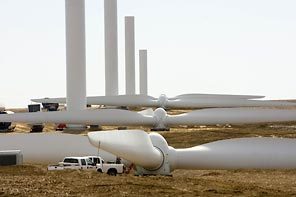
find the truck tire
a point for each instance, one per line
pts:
(99, 170)
(112, 172)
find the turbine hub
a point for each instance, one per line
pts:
(159, 117)
(164, 167)
(162, 101)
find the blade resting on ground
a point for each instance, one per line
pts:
(181, 101)
(217, 96)
(160, 119)
(232, 116)
(217, 103)
(105, 117)
(241, 153)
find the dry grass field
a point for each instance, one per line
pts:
(35, 180)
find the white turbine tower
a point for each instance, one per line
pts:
(111, 47)
(130, 55)
(143, 72)
(75, 56)
(76, 89)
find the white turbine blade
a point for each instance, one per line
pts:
(134, 146)
(244, 153)
(101, 117)
(123, 100)
(120, 100)
(231, 116)
(217, 96)
(215, 103)
(147, 112)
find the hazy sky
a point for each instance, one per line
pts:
(194, 46)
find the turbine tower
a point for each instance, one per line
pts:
(130, 55)
(111, 48)
(75, 56)
(143, 72)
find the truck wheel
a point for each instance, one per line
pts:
(112, 172)
(99, 170)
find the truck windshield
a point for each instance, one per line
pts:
(70, 160)
(96, 160)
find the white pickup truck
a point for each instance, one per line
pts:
(74, 163)
(90, 162)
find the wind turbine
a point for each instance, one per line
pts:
(179, 102)
(76, 77)
(152, 155)
(158, 119)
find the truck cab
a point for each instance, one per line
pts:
(96, 159)
(77, 163)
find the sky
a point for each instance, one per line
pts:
(194, 46)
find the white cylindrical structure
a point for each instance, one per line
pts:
(44, 148)
(75, 55)
(111, 48)
(143, 72)
(130, 55)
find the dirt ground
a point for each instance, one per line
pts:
(35, 180)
